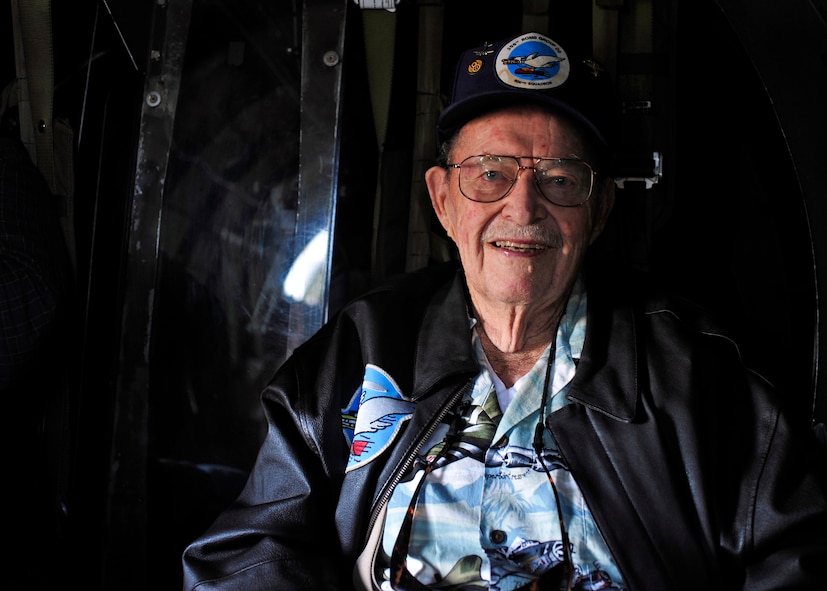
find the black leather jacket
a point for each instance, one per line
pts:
(694, 476)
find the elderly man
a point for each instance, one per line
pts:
(523, 421)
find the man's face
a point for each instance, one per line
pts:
(521, 250)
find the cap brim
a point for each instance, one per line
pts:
(458, 114)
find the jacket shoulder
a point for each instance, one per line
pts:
(645, 293)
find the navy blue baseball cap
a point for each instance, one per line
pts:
(530, 68)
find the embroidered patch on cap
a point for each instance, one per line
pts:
(532, 61)
(380, 411)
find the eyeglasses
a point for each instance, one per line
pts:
(485, 178)
(561, 576)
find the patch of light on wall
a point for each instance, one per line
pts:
(305, 281)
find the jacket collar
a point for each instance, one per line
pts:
(444, 347)
(606, 377)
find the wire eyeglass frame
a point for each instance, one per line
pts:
(497, 171)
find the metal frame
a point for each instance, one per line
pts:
(787, 44)
(125, 549)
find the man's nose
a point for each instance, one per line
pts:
(525, 203)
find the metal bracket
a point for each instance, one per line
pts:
(389, 5)
(650, 174)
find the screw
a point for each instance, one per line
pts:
(153, 99)
(331, 58)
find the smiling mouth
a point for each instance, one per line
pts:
(519, 246)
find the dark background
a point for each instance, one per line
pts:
(176, 320)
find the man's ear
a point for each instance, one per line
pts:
(604, 207)
(436, 179)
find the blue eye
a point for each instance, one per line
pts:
(556, 181)
(492, 175)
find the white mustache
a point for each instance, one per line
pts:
(533, 233)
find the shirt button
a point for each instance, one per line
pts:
(497, 536)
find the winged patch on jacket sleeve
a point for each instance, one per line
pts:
(374, 416)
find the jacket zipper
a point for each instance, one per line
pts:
(391, 485)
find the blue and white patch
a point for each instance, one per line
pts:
(532, 61)
(374, 417)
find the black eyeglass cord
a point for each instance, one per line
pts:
(538, 450)
(401, 579)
